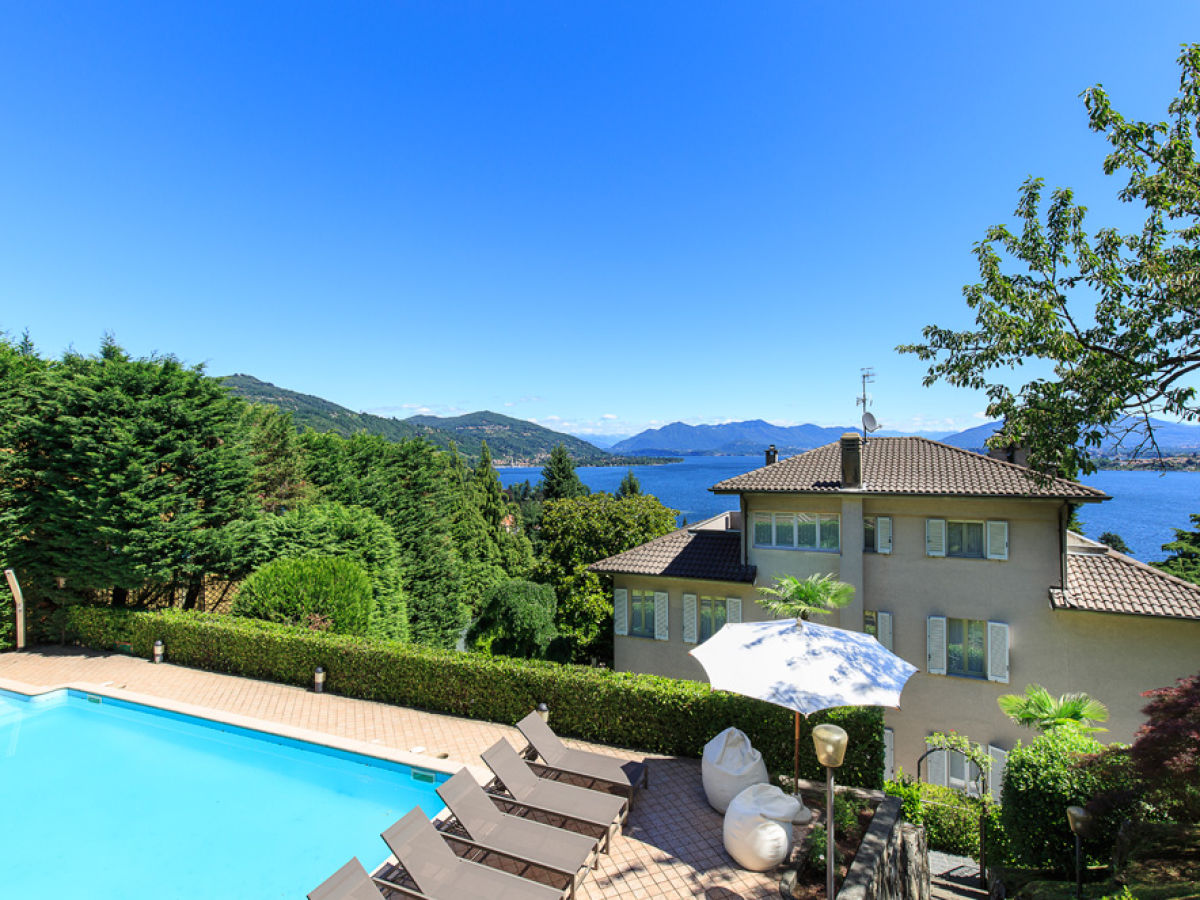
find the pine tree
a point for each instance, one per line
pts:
(1184, 561)
(559, 481)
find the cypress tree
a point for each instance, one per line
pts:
(559, 481)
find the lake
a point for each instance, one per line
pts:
(1145, 507)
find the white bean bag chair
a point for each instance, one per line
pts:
(729, 766)
(758, 827)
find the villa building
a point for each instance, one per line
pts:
(961, 563)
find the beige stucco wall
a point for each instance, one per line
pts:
(670, 658)
(1111, 657)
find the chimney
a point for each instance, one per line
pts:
(772, 455)
(851, 460)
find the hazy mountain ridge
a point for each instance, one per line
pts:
(754, 436)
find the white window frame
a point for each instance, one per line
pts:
(997, 644)
(642, 600)
(791, 520)
(983, 552)
(713, 600)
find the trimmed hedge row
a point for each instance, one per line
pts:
(661, 715)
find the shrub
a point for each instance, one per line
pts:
(310, 591)
(950, 817)
(660, 715)
(517, 619)
(1041, 780)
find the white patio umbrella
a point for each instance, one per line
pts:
(803, 666)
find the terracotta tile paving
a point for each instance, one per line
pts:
(672, 846)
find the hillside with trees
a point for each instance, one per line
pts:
(511, 441)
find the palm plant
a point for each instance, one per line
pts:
(1037, 708)
(799, 598)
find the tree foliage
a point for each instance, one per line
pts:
(1114, 315)
(1184, 559)
(278, 475)
(559, 480)
(1040, 710)
(577, 532)
(517, 619)
(801, 598)
(122, 472)
(1113, 541)
(630, 486)
(1166, 749)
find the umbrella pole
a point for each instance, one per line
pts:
(796, 760)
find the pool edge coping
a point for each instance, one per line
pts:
(250, 723)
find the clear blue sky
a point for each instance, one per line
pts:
(599, 216)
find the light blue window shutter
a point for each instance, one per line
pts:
(935, 537)
(621, 611)
(662, 630)
(997, 664)
(733, 609)
(997, 540)
(689, 618)
(935, 645)
(883, 534)
(939, 765)
(996, 773)
(884, 620)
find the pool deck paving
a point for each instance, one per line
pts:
(671, 848)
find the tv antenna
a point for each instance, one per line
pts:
(868, 420)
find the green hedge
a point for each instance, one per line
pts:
(647, 712)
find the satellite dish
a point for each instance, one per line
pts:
(869, 423)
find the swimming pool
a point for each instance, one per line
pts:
(107, 799)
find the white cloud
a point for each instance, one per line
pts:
(608, 416)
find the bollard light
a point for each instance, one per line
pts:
(830, 743)
(159, 649)
(544, 711)
(318, 680)
(1079, 819)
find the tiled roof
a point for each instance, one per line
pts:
(687, 553)
(905, 465)
(1102, 580)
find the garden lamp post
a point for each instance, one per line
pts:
(830, 743)
(1079, 819)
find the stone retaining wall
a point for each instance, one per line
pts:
(892, 862)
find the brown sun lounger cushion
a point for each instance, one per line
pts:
(568, 800)
(442, 875)
(625, 776)
(350, 882)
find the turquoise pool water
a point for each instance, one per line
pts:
(110, 800)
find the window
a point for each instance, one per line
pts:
(878, 624)
(798, 531)
(641, 614)
(964, 539)
(966, 647)
(712, 616)
(877, 534)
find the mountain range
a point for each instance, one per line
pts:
(511, 441)
(751, 437)
(515, 442)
